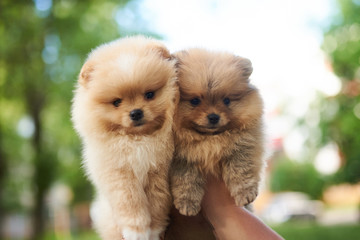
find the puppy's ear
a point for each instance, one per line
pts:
(178, 56)
(163, 51)
(85, 74)
(244, 65)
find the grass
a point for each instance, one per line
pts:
(90, 235)
(289, 231)
(313, 231)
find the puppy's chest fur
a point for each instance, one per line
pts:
(140, 154)
(206, 151)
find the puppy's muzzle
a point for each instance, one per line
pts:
(213, 118)
(136, 114)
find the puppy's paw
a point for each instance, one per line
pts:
(187, 207)
(245, 197)
(130, 234)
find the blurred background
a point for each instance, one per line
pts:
(306, 58)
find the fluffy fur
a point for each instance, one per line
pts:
(218, 128)
(123, 110)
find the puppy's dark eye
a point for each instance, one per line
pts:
(226, 101)
(149, 95)
(195, 101)
(116, 102)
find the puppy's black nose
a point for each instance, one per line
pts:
(136, 114)
(213, 118)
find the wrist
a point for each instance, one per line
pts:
(220, 214)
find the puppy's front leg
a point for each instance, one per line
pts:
(158, 193)
(128, 204)
(187, 186)
(241, 172)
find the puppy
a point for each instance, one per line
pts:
(218, 128)
(123, 110)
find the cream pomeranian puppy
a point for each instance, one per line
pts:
(218, 128)
(123, 110)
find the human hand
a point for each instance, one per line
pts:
(229, 221)
(217, 201)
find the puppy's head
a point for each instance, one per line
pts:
(215, 94)
(125, 87)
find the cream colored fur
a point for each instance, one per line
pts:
(127, 163)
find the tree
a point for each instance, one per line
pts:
(289, 175)
(42, 47)
(342, 44)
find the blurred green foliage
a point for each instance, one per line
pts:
(342, 44)
(296, 176)
(311, 231)
(43, 44)
(89, 235)
(339, 116)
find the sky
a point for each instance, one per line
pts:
(282, 38)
